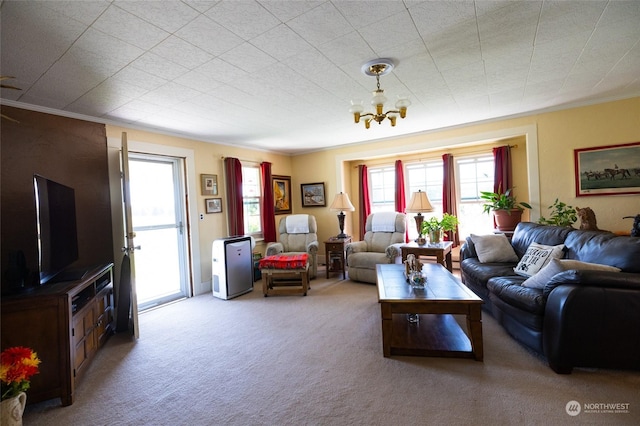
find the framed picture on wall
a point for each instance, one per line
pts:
(213, 205)
(209, 184)
(313, 194)
(608, 170)
(282, 194)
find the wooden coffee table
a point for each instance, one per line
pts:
(437, 333)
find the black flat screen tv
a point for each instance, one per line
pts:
(56, 227)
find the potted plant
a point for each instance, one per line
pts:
(434, 227)
(561, 215)
(506, 209)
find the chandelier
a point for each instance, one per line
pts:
(376, 68)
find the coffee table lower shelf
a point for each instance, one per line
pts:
(437, 335)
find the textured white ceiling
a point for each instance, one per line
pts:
(280, 74)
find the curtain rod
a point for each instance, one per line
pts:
(242, 159)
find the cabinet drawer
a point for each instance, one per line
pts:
(80, 356)
(84, 351)
(83, 324)
(335, 247)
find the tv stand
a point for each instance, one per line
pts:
(69, 275)
(66, 323)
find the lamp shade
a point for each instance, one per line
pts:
(342, 203)
(419, 203)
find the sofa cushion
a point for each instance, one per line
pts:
(285, 261)
(529, 232)
(537, 257)
(560, 265)
(493, 248)
(367, 260)
(482, 272)
(511, 291)
(605, 248)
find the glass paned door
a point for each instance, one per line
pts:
(158, 210)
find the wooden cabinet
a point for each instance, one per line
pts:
(335, 255)
(65, 323)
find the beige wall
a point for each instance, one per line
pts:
(556, 135)
(207, 159)
(543, 164)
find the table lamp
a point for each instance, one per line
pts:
(419, 203)
(341, 203)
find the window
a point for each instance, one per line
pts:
(427, 177)
(474, 174)
(382, 181)
(251, 200)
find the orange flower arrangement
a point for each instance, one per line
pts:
(17, 365)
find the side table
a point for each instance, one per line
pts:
(442, 252)
(335, 255)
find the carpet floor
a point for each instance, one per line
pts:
(317, 360)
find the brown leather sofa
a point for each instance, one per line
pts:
(581, 318)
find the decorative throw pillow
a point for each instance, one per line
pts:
(544, 275)
(556, 266)
(537, 257)
(586, 266)
(493, 248)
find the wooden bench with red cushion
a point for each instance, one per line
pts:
(285, 274)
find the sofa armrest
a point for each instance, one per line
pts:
(356, 247)
(312, 247)
(394, 251)
(606, 279)
(467, 250)
(587, 325)
(273, 249)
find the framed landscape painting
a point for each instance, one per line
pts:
(313, 195)
(608, 170)
(282, 194)
(213, 205)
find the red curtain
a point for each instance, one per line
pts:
(401, 202)
(233, 181)
(401, 199)
(363, 198)
(449, 195)
(268, 213)
(502, 178)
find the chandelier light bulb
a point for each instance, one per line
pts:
(356, 109)
(402, 104)
(392, 117)
(378, 98)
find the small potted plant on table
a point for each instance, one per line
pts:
(506, 209)
(434, 227)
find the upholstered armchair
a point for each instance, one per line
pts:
(384, 234)
(298, 234)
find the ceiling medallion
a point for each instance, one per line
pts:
(378, 67)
